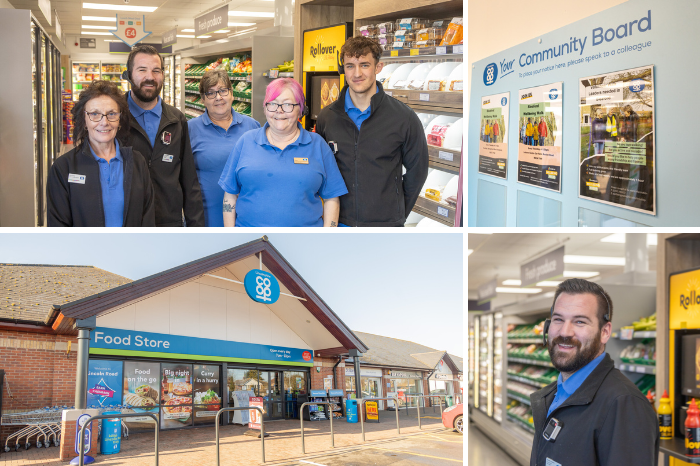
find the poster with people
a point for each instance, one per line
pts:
(539, 136)
(493, 137)
(617, 139)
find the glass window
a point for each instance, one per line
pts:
(243, 380)
(350, 385)
(403, 387)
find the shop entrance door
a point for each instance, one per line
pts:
(271, 391)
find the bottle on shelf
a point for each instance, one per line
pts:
(692, 430)
(665, 413)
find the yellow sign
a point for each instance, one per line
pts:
(372, 411)
(414, 52)
(322, 48)
(684, 300)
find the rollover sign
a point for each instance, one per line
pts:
(684, 300)
(133, 343)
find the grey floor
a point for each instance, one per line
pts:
(483, 452)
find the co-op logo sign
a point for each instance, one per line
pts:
(492, 70)
(262, 286)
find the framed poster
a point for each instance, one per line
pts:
(207, 390)
(617, 158)
(176, 395)
(104, 383)
(141, 392)
(539, 136)
(493, 135)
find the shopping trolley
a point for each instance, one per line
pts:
(43, 423)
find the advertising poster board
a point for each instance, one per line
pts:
(207, 393)
(372, 411)
(176, 396)
(539, 136)
(254, 413)
(141, 384)
(493, 135)
(104, 383)
(617, 139)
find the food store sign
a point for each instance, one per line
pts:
(322, 48)
(132, 343)
(684, 300)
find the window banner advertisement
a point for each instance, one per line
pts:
(539, 141)
(141, 394)
(207, 393)
(617, 139)
(176, 395)
(493, 137)
(104, 383)
(254, 413)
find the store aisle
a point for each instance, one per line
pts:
(483, 452)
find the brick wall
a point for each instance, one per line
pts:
(326, 369)
(38, 372)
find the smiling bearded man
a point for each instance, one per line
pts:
(593, 414)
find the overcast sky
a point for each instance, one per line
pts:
(406, 286)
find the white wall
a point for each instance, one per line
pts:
(514, 24)
(206, 309)
(5, 4)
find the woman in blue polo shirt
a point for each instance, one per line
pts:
(282, 175)
(213, 135)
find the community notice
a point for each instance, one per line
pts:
(617, 139)
(493, 145)
(539, 136)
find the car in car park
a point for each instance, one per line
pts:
(453, 418)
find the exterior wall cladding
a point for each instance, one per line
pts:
(38, 372)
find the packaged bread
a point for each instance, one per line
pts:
(457, 85)
(453, 35)
(147, 391)
(433, 194)
(437, 135)
(416, 84)
(436, 85)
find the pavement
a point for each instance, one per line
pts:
(433, 444)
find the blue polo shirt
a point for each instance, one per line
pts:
(566, 389)
(148, 119)
(211, 146)
(281, 188)
(112, 185)
(353, 112)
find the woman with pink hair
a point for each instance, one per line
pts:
(282, 175)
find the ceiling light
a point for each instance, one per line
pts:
(112, 19)
(188, 30)
(104, 6)
(95, 33)
(619, 238)
(252, 14)
(594, 260)
(548, 283)
(221, 31)
(579, 274)
(511, 282)
(500, 289)
(190, 36)
(240, 24)
(87, 26)
(111, 40)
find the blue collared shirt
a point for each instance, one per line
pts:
(112, 185)
(211, 146)
(281, 188)
(566, 389)
(353, 112)
(148, 119)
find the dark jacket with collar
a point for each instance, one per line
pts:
(80, 205)
(175, 183)
(371, 160)
(606, 422)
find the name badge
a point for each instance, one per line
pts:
(167, 158)
(165, 137)
(551, 462)
(73, 178)
(302, 160)
(334, 146)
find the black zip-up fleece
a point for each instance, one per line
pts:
(175, 183)
(371, 159)
(80, 205)
(606, 421)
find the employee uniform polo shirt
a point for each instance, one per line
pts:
(566, 389)
(148, 119)
(354, 113)
(211, 146)
(281, 188)
(112, 185)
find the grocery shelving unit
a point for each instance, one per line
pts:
(498, 366)
(169, 80)
(317, 412)
(178, 87)
(336, 396)
(83, 74)
(486, 364)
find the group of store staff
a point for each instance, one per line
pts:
(137, 161)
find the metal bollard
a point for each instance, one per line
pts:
(301, 418)
(241, 408)
(81, 455)
(361, 402)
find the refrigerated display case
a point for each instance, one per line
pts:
(476, 354)
(168, 80)
(471, 366)
(497, 365)
(83, 74)
(113, 72)
(486, 364)
(178, 85)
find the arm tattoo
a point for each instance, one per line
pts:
(227, 207)
(333, 224)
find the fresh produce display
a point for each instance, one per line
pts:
(286, 67)
(526, 331)
(238, 64)
(640, 353)
(520, 411)
(647, 384)
(537, 374)
(521, 388)
(644, 324)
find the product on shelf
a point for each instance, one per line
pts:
(453, 35)
(644, 324)
(640, 353)
(385, 28)
(369, 30)
(437, 135)
(286, 67)
(412, 24)
(434, 34)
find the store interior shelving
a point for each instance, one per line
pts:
(486, 364)
(497, 366)
(84, 72)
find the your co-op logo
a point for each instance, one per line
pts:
(261, 286)
(637, 85)
(553, 94)
(492, 71)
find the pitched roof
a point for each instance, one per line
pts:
(387, 351)
(28, 292)
(459, 362)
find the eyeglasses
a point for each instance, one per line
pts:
(286, 108)
(221, 92)
(97, 116)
